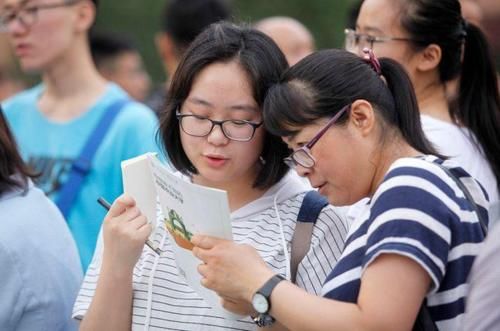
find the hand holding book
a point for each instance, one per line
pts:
(187, 209)
(125, 230)
(149, 243)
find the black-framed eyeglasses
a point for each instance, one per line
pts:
(355, 42)
(27, 14)
(303, 156)
(200, 126)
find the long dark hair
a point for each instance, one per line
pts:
(324, 82)
(264, 63)
(11, 162)
(478, 104)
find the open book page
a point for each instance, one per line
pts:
(188, 209)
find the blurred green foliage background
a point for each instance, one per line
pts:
(141, 20)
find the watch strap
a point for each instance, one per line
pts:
(269, 286)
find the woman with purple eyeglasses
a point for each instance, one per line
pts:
(354, 127)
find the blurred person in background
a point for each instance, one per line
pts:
(118, 60)
(491, 24)
(291, 36)
(181, 22)
(472, 12)
(55, 121)
(10, 80)
(436, 44)
(41, 272)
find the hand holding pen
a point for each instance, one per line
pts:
(124, 203)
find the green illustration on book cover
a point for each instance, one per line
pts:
(177, 229)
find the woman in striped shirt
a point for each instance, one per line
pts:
(354, 126)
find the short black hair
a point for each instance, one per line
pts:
(106, 46)
(183, 20)
(264, 63)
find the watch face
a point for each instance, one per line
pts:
(259, 303)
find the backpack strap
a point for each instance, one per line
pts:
(82, 165)
(309, 211)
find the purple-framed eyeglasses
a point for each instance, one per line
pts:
(303, 156)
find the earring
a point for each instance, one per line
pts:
(262, 160)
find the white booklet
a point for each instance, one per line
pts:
(187, 208)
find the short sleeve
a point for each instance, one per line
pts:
(410, 220)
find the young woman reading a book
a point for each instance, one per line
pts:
(355, 130)
(212, 129)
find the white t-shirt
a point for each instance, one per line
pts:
(455, 142)
(175, 306)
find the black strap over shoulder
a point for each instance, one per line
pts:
(311, 206)
(482, 221)
(424, 321)
(309, 211)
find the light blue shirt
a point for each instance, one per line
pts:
(50, 147)
(40, 271)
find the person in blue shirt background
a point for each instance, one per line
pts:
(53, 121)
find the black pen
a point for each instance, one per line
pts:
(149, 243)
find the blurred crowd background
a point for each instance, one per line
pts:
(326, 19)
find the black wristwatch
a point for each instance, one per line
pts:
(261, 301)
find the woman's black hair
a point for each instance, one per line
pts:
(264, 63)
(465, 54)
(13, 172)
(324, 82)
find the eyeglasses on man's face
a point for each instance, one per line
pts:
(27, 14)
(200, 126)
(355, 42)
(303, 156)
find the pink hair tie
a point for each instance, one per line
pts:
(372, 60)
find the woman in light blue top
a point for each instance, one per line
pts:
(40, 271)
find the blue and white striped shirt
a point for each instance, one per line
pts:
(419, 212)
